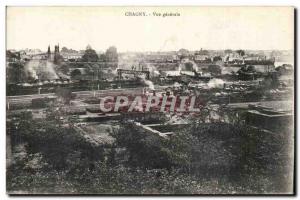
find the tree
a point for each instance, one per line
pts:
(111, 54)
(64, 68)
(188, 66)
(217, 58)
(228, 51)
(64, 49)
(15, 73)
(248, 69)
(12, 56)
(183, 53)
(150, 151)
(203, 52)
(251, 68)
(90, 55)
(102, 57)
(240, 52)
(214, 69)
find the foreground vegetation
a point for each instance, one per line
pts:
(205, 158)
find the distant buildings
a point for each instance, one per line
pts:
(71, 56)
(231, 57)
(160, 58)
(111, 54)
(199, 58)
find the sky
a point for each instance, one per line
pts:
(256, 28)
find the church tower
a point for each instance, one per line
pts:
(49, 52)
(57, 56)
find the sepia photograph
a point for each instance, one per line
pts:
(150, 100)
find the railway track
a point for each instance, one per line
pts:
(79, 94)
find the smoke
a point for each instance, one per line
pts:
(30, 69)
(149, 83)
(215, 83)
(49, 70)
(63, 76)
(115, 71)
(156, 72)
(153, 70)
(40, 69)
(229, 70)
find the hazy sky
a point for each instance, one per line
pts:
(261, 28)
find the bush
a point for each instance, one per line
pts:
(150, 151)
